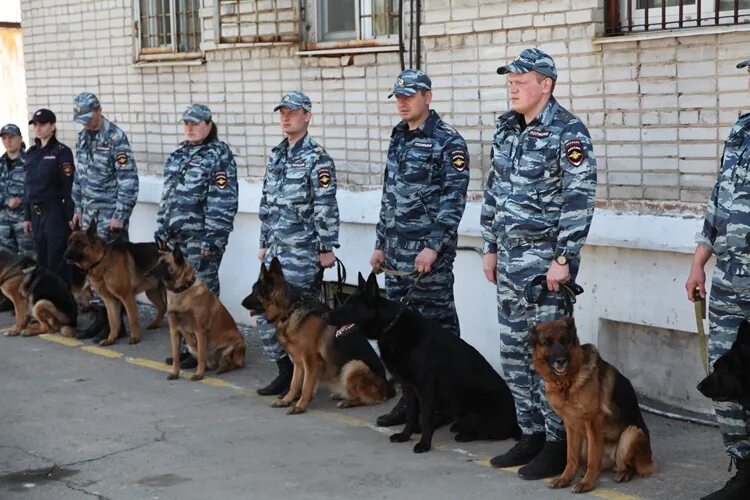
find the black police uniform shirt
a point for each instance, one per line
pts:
(49, 178)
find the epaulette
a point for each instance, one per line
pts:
(565, 116)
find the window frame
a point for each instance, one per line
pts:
(363, 26)
(691, 17)
(164, 52)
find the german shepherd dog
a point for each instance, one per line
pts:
(350, 366)
(195, 314)
(38, 294)
(118, 271)
(730, 378)
(436, 369)
(598, 405)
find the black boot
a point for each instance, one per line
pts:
(279, 385)
(738, 487)
(187, 361)
(522, 452)
(104, 331)
(99, 323)
(549, 462)
(397, 416)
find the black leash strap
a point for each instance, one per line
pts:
(568, 290)
(404, 302)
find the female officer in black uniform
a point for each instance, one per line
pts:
(48, 206)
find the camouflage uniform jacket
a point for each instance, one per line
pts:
(298, 206)
(12, 175)
(424, 187)
(727, 222)
(199, 197)
(106, 179)
(542, 182)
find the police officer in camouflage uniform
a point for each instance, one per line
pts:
(725, 233)
(299, 218)
(199, 200)
(105, 185)
(424, 196)
(537, 209)
(12, 175)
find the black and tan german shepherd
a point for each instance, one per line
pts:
(604, 425)
(730, 378)
(195, 314)
(349, 366)
(118, 271)
(436, 369)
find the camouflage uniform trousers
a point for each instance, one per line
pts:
(12, 237)
(516, 267)
(729, 304)
(433, 295)
(302, 269)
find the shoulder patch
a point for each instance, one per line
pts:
(67, 169)
(324, 177)
(122, 158)
(220, 179)
(458, 160)
(574, 152)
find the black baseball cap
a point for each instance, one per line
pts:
(43, 115)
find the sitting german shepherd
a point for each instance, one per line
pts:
(350, 366)
(596, 402)
(435, 368)
(118, 271)
(195, 314)
(38, 294)
(730, 378)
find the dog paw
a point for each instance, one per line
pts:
(196, 377)
(12, 333)
(623, 476)
(399, 437)
(559, 482)
(582, 487)
(280, 403)
(134, 340)
(173, 376)
(106, 342)
(295, 410)
(421, 447)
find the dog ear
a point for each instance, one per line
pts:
(371, 287)
(362, 281)
(572, 330)
(160, 244)
(743, 334)
(275, 267)
(91, 230)
(263, 271)
(533, 336)
(77, 225)
(179, 258)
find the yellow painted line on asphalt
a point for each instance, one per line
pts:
(59, 339)
(101, 351)
(604, 493)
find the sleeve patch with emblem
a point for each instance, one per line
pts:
(458, 160)
(324, 177)
(574, 152)
(122, 159)
(67, 169)
(220, 178)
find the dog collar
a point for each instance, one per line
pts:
(184, 287)
(94, 265)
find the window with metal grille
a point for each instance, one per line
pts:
(253, 21)
(168, 28)
(627, 16)
(356, 19)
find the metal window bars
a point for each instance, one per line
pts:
(169, 26)
(630, 16)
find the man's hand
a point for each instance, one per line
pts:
(75, 222)
(207, 253)
(262, 254)
(327, 259)
(14, 202)
(425, 259)
(27, 227)
(557, 275)
(489, 266)
(116, 224)
(378, 259)
(696, 279)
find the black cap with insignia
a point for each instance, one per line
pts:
(43, 115)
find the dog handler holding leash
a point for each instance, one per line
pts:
(537, 209)
(725, 233)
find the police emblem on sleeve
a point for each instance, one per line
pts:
(122, 159)
(324, 177)
(458, 160)
(67, 169)
(574, 152)
(220, 178)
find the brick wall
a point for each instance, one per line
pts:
(658, 110)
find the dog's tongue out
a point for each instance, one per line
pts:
(344, 329)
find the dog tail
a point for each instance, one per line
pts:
(362, 384)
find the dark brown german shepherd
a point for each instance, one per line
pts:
(597, 403)
(195, 314)
(118, 271)
(348, 364)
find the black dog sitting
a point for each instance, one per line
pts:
(435, 368)
(730, 379)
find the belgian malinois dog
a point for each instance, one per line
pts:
(597, 404)
(118, 271)
(349, 365)
(196, 314)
